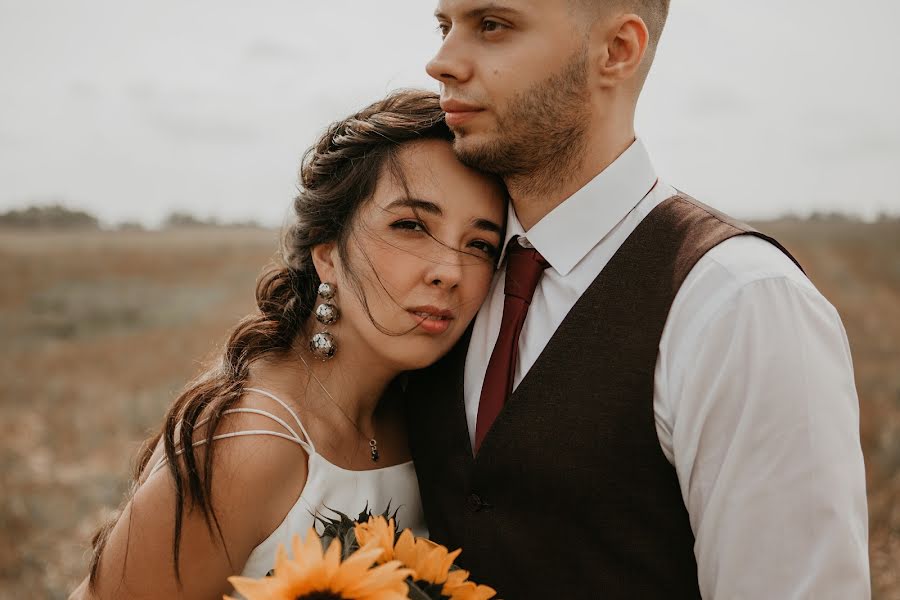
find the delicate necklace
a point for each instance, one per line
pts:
(373, 443)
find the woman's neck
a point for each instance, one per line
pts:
(351, 381)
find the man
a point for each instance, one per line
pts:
(654, 402)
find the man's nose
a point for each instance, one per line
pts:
(450, 65)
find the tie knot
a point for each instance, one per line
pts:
(524, 267)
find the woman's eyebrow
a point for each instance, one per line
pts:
(426, 206)
(415, 204)
(486, 225)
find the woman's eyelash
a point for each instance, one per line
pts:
(489, 249)
(412, 225)
(408, 224)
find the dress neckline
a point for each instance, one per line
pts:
(345, 470)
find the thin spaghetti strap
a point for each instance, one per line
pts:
(264, 413)
(306, 444)
(309, 441)
(223, 436)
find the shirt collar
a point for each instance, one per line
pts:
(566, 234)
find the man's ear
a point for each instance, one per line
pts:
(325, 260)
(617, 47)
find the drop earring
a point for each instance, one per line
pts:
(322, 344)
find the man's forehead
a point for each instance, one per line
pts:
(472, 8)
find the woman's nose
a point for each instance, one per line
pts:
(445, 269)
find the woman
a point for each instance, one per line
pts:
(390, 256)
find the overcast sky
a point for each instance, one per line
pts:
(132, 109)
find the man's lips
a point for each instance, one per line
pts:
(458, 112)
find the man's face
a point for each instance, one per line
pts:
(513, 77)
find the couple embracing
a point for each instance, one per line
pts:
(491, 313)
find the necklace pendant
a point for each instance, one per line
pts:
(373, 446)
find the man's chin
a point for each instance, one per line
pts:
(472, 148)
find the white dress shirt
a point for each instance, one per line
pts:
(754, 395)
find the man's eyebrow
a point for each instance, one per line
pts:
(415, 204)
(486, 225)
(479, 12)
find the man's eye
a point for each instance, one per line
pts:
(489, 26)
(443, 29)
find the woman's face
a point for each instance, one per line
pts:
(421, 256)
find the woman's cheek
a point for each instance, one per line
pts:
(488, 277)
(482, 285)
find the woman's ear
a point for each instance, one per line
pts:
(325, 260)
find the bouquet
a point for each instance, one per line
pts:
(363, 559)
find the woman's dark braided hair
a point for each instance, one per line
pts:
(337, 176)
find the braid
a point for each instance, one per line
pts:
(337, 175)
(401, 117)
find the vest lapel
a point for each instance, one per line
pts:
(587, 311)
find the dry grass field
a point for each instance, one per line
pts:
(101, 330)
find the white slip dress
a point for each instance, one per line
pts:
(329, 486)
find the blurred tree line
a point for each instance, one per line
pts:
(48, 217)
(57, 216)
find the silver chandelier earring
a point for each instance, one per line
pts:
(322, 344)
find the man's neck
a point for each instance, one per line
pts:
(534, 195)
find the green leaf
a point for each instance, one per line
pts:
(417, 593)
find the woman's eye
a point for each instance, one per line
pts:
(443, 29)
(408, 225)
(489, 249)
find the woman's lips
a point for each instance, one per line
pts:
(431, 319)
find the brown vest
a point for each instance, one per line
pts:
(571, 495)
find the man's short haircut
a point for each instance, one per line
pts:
(653, 12)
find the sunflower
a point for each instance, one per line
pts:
(432, 564)
(378, 531)
(314, 575)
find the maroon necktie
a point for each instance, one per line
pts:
(523, 271)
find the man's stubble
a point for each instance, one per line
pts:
(541, 134)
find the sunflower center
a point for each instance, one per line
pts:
(320, 596)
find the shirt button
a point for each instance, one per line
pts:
(474, 502)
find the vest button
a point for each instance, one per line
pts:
(475, 503)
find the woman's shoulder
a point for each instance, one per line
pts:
(259, 427)
(258, 446)
(260, 430)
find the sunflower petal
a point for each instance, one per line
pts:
(332, 560)
(310, 549)
(470, 591)
(354, 568)
(380, 531)
(405, 550)
(253, 589)
(281, 557)
(455, 578)
(386, 577)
